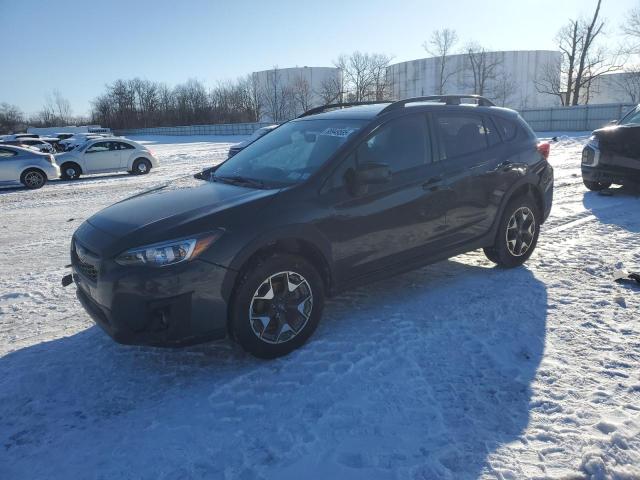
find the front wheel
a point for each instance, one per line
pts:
(517, 234)
(596, 186)
(277, 305)
(70, 171)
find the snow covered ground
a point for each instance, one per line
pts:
(455, 371)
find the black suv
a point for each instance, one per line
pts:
(342, 195)
(612, 154)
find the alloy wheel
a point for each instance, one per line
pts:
(521, 231)
(34, 179)
(281, 307)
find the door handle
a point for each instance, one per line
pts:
(504, 166)
(432, 184)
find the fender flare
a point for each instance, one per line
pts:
(289, 238)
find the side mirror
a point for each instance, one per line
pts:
(204, 174)
(373, 174)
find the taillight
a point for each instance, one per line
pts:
(544, 148)
(51, 159)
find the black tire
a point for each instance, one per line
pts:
(70, 171)
(141, 166)
(33, 178)
(515, 230)
(596, 186)
(260, 339)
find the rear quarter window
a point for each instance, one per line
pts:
(508, 129)
(4, 153)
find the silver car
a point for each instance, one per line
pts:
(26, 166)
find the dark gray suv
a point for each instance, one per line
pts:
(342, 195)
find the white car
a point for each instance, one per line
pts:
(26, 166)
(77, 139)
(103, 155)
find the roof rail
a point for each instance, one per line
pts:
(332, 106)
(447, 99)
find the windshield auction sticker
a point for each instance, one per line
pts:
(338, 132)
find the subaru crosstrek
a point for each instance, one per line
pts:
(342, 195)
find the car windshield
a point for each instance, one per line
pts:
(290, 154)
(633, 117)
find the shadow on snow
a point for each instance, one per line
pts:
(421, 376)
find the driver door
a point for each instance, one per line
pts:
(377, 226)
(102, 157)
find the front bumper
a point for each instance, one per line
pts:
(603, 174)
(169, 306)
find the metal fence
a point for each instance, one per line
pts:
(217, 129)
(564, 119)
(574, 119)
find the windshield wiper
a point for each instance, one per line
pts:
(239, 180)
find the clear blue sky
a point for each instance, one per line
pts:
(79, 46)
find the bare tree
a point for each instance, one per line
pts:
(629, 83)
(549, 81)
(441, 45)
(504, 88)
(331, 90)
(364, 76)
(302, 94)
(11, 118)
(484, 68)
(631, 28)
(585, 65)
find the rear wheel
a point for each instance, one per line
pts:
(33, 178)
(517, 233)
(596, 186)
(70, 171)
(277, 306)
(141, 166)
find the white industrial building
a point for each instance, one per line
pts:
(287, 92)
(510, 81)
(621, 87)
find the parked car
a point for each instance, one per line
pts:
(26, 166)
(330, 200)
(102, 155)
(612, 154)
(76, 140)
(261, 132)
(39, 144)
(16, 136)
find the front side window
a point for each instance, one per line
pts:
(99, 147)
(402, 144)
(462, 134)
(290, 154)
(631, 118)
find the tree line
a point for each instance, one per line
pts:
(134, 103)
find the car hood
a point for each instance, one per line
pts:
(179, 208)
(612, 130)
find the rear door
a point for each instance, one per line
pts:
(8, 166)
(102, 157)
(475, 167)
(380, 225)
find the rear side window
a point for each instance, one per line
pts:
(125, 146)
(508, 130)
(4, 153)
(462, 134)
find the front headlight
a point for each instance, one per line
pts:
(167, 253)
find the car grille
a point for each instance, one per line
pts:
(85, 262)
(87, 270)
